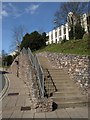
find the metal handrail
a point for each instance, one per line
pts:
(24, 51)
(40, 75)
(39, 72)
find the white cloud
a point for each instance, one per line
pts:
(3, 13)
(32, 9)
(11, 9)
(15, 11)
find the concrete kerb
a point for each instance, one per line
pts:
(6, 87)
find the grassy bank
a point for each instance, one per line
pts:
(80, 46)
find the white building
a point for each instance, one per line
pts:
(13, 53)
(58, 34)
(85, 22)
(62, 32)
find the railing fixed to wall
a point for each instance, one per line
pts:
(39, 71)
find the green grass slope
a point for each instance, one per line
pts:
(80, 46)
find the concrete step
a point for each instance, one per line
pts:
(71, 104)
(68, 89)
(47, 79)
(60, 79)
(64, 86)
(70, 94)
(70, 99)
(61, 87)
(58, 85)
(62, 90)
(59, 76)
(58, 71)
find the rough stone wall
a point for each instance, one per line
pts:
(77, 66)
(13, 68)
(28, 74)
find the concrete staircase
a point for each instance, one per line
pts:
(68, 93)
(60, 87)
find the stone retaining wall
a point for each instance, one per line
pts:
(28, 74)
(77, 66)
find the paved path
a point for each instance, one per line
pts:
(11, 105)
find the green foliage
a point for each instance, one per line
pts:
(25, 42)
(63, 41)
(76, 31)
(34, 41)
(7, 60)
(86, 36)
(71, 35)
(79, 31)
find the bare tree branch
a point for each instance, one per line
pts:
(78, 8)
(17, 36)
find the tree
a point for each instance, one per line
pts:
(34, 40)
(26, 41)
(77, 8)
(4, 54)
(44, 39)
(17, 33)
(8, 59)
(79, 32)
(71, 12)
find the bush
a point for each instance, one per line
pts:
(63, 41)
(86, 36)
(7, 60)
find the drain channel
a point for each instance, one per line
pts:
(12, 94)
(25, 108)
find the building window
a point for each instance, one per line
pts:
(52, 36)
(60, 32)
(64, 30)
(56, 40)
(55, 34)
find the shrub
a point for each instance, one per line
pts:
(8, 60)
(86, 36)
